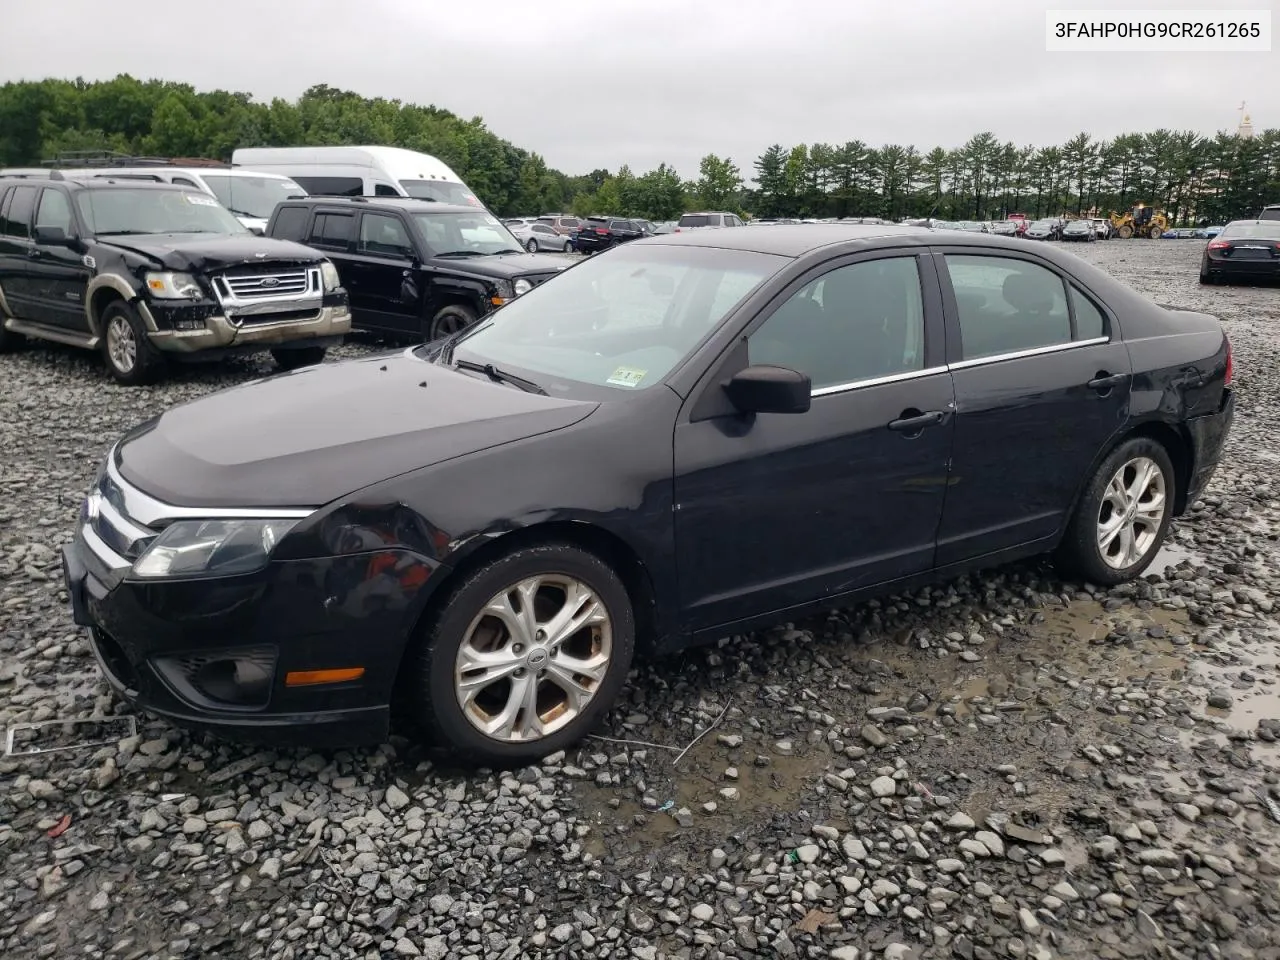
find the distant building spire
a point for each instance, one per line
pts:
(1245, 129)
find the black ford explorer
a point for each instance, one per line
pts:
(415, 268)
(682, 439)
(150, 272)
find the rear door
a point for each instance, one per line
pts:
(16, 249)
(1042, 383)
(59, 275)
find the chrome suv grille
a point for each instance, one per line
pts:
(273, 285)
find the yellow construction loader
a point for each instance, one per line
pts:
(1141, 221)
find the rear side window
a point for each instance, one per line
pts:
(1007, 305)
(17, 219)
(332, 231)
(55, 211)
(696, 220)
(1270, 213)
(291, 224)
(331, 186)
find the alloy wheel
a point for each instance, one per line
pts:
(1132, 512)
(533, 658)
(122, 345)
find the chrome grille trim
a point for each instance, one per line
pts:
(239, 289)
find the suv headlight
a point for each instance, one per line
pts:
(522, 286)
(174, 286)
(213, 547)
(329, 275)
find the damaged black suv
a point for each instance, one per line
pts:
(147, 272)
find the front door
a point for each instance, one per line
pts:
(1041, 386)
(783, 509)
(58, 273)
(383, 262)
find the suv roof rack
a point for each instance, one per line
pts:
(111, 158)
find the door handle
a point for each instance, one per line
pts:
(916, 421)
(33, 253)
(1104, 381)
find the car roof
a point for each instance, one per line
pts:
(1254, 222)
(792, 239)
(101, 183)
(412, 204)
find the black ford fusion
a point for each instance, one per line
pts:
(686, 437)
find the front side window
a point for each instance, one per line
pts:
(442, 191)
(459, 235)
(382, 235)
(54, 211)
(254, 197)
(385, 190)
(620, 322)
(1007, 305)
(136, 210)
(858, 322)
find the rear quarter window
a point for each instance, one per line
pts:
(290, 224)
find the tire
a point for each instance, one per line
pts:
(532, 245)
(1082, 554)
(1125, 232)
(1156, 233)
(298, 357)
(568, 246)
(128, 352)
(449, 321)
(437, 665)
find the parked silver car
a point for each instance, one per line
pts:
(536, 236)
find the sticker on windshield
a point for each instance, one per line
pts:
(626, 377)
(201, 201)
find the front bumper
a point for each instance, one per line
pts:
(1208, 437)
(171, 326)
(155, 641)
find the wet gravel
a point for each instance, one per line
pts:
(1006, 765)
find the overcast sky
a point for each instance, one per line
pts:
(598, 84)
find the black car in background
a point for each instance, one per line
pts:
(691, 437)
(148, 273)
(1245, 249)
(600, 233)
(415, 268)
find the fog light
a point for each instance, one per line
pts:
(230, 678)
(189, 324)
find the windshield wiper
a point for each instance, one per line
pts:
(500, 376)
(461, 253)
(124, 233)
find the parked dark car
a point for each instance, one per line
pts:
(1044, 230)
(1080, 230)
(601, 233)
(415, 268)
(1244, 249)
(691, 437)
(148, 273)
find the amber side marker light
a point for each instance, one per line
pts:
(309, 678)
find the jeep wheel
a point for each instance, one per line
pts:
(130, 356)
(293, 359)
(449, 321)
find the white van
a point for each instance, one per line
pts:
(250, 196)
(360, 172)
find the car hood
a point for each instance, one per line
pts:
(505, 265)
(207, 251)
(306, 438)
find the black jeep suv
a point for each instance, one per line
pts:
(146, 272)
(415, 268)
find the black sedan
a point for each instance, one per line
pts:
(1245, 249)
(687, 437)
(1080, 230)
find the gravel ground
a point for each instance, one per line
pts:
(1005, 765)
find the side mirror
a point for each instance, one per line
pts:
(769, 389)
(259, 231)
(54, 236)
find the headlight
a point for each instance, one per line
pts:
(329, 274)
(174, 286)
(213, 547)
(523, 286)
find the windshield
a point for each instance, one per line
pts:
(621, 321)
(252, 196)
(139, 210)
(442, 191)
(465, 234)
(1251, 231)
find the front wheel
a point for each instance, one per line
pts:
(450, 320)
(130, 356)
(524, 656)
(532, 245)
(1123, 517)
(298, 357)
(568, 246)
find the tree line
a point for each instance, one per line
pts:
(1194, 178)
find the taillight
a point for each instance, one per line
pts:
(1219, 244)
(603, 233)
(1231, 365)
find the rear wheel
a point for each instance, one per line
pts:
(1156, 233)
(1126, 232)
(524, 656)
(449, 321)
(130, 356)
(532, 245)
(1123, 517)
(568, 246)
(287, 359)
